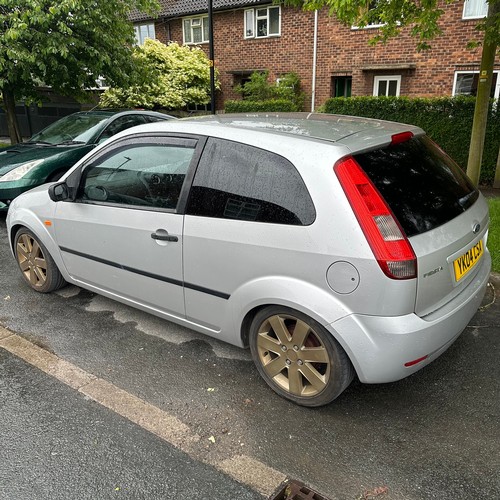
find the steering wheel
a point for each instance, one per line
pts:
(149, 179)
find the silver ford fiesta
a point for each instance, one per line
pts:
(331, 246)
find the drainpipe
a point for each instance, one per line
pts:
(315, 55)
(211, 54)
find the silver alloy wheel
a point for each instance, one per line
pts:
(293, 355)
(31, 260)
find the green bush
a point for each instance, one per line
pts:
(271, 96)
(289, 88)
(447, 120)
(257, 88)
(269, 105)
(167, 77)
(494, 234)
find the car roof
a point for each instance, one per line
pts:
(122, 112)
(348, 130)
(349, 133)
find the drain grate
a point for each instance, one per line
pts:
(295, 490)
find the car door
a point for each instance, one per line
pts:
(122, 235)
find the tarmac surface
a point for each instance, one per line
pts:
(435, 434)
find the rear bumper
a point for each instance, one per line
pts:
(380, 346)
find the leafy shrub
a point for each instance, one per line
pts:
(258, 89)
(447, 120)
(289, 88)
(165, 76)
(269, 105)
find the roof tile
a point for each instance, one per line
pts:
(174, 8)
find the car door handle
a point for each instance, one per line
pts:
(162, 235)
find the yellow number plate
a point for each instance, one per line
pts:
(468, 260)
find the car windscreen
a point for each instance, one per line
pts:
(77, 128)
(422, 185)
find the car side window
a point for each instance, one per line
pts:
(142, 175)
(120, 124)
(237, 181)
(153, 119)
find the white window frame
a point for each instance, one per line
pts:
(251, 18)
(150, 29)
(388, 78)
(192, 20)
(485, 5)
(368, 26)
(496, 94)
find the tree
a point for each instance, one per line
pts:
(164, 76)
(490, 44)
(422, 18)
(65, 44)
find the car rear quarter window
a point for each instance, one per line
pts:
(422, 185)
(237, 181)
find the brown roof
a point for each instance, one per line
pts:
(175, 8)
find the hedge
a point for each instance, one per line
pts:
(447, 120)
(271, 105)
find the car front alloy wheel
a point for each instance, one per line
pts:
(37, 266)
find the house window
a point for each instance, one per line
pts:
(474, 9)
(195, 30)
(341, 86)
(387, 85)
(374, 21)
(263, 22)
(143, 31)
(465, 83)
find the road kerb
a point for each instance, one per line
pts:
(147, 416)
(244, 469)
(247, 470)
(4, 333)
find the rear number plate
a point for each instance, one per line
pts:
(468, 260)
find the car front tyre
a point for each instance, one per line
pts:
(37, 266)
(297, 357)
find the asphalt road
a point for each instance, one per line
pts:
(435, 434)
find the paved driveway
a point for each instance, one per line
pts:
(435, 434)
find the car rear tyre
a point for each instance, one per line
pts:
(37, 266)
(297, 357)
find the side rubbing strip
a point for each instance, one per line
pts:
(207, 290)
(172, 281)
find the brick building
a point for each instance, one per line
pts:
(330, 58)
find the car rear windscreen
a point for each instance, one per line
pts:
(422, 185)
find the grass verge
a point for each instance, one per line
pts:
(494, 234)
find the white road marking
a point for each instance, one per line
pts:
(167, 427)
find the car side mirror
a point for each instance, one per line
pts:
(59, 192)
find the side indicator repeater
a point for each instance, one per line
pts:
(48, 223)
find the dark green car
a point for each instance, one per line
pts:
(51, 152)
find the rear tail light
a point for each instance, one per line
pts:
(379, 225)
